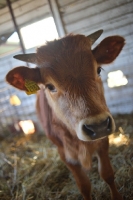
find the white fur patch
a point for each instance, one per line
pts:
(71, 160)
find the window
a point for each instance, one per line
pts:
(38, 33)
(116, 79)
(33, 35)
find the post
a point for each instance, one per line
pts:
(15, 25)
(57, 17)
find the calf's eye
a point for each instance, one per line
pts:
(51, 88)
(99, 70)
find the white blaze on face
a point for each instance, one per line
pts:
(69, 110)
(81, 107)
(73, 109)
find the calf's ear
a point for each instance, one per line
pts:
(108, 49)
(17, 77)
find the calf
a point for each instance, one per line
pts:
(71, 103)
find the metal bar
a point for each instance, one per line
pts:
(15, 25)
(57, 17)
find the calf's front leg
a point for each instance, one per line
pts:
(80, 176)
(105, 169)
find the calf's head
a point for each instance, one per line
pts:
(70, 73)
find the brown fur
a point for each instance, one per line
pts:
(76, 154)
(71, 67)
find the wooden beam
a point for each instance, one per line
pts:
(15, 25)
(57, 17)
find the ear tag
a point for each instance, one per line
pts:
(31, 86)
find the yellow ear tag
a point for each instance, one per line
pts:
(31, 86)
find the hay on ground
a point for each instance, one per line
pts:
(30, 168)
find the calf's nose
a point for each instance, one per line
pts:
(95, 131)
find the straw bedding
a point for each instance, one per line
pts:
(30, 168)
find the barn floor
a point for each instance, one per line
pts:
(30, 168)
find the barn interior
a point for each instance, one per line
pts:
(30, 167)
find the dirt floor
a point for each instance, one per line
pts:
(30, 168)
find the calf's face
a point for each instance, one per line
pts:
(70, 73)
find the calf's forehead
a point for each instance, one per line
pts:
(65, 45)
(69, 58)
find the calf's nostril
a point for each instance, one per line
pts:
(108, 124)
(88, 130)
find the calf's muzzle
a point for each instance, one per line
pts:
(96, 131)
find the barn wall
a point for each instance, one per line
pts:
(12, 114)
(115, 18)
(26, 12)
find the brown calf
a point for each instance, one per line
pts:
(71, 103)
